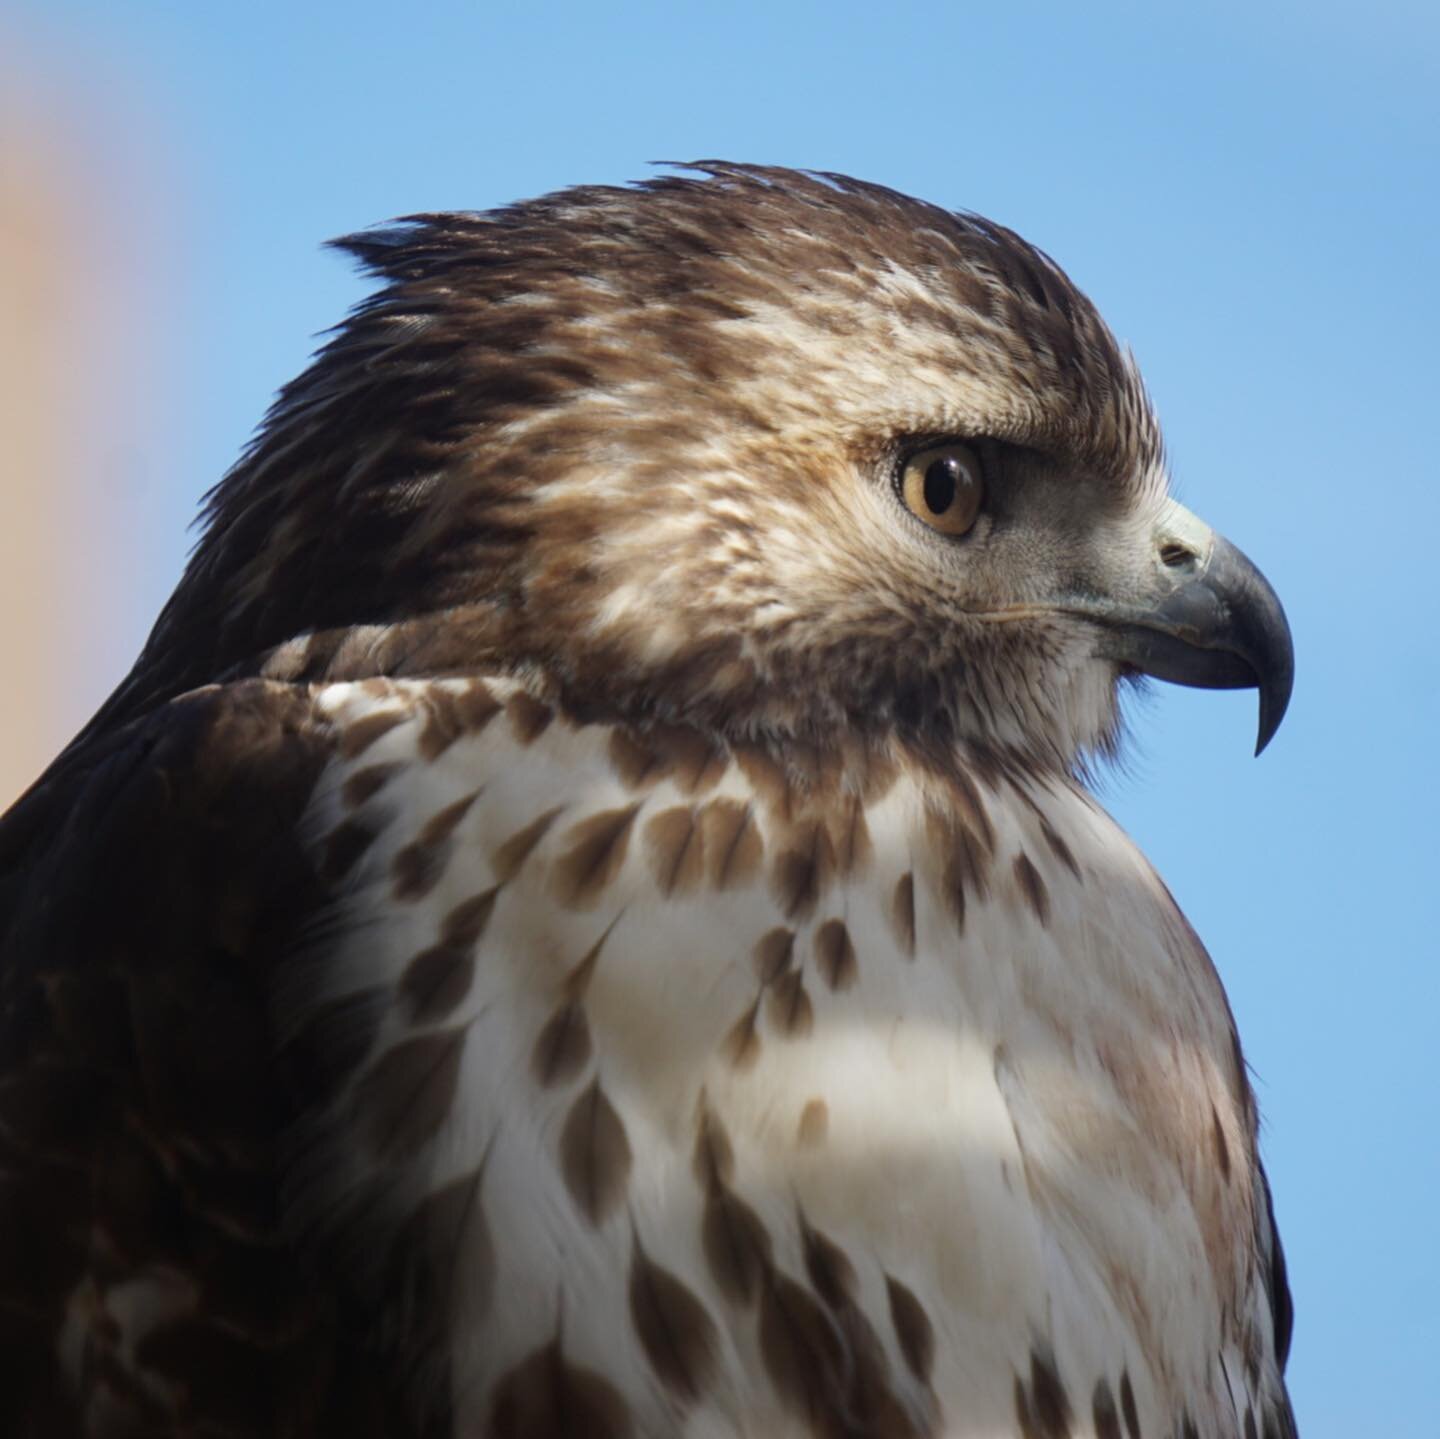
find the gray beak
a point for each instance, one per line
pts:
(1212, 621)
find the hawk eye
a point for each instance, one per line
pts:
(944, 486)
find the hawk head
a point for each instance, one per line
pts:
(768, 452)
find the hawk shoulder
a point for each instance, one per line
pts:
(150, 885)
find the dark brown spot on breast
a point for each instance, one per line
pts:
(562, 1048)
(1058, 847)
(830, 1271)
(1127, 1406)
(869, 1396)
(443, 723)
(359, 736)
(768, 779)
(835, 955)
(529, 718)
(1032, 888)
(577, 981)
(1106, 1416)
(714, 1158)
(741, 1046)
(801, 1348)
(441, 825)
(436, 980)
(466, 922)
(475, 706)
(814, 1123)
(731, 842)
(367, 782)
(506, 860)
(695, 764)
(969, 808)
(1253, 1353)
(596, 850)
(789, 1007)
(1222, 1148)
(417, 868)
(1250, 1431)
(675, 844)
(1042, 1408)
(547, 1397)
(964, 864)
(406, 1095)
(344, 847)
(637, 764)
(594, 1154)
(902, 914)
(737, 1247)
(803, 870)
(675, 1330)
(913, 1330)
(773, 953)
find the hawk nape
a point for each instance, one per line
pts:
(585, 918)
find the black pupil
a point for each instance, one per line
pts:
(941, 479)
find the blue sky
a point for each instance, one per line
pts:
(1249, 192)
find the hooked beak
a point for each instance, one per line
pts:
(1205, 617)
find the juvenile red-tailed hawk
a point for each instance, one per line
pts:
(585, 918)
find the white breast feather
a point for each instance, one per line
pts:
(964, 1123)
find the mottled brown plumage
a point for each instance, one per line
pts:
(429, 495)
(584, 918)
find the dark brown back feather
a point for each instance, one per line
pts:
(149, 885)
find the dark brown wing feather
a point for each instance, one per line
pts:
(148, 884)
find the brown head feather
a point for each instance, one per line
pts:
(637, 441)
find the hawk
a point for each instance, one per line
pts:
(586, 917)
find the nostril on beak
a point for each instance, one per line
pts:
(1176, 556)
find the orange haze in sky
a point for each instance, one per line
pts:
(78, 404)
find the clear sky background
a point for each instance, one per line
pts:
(1248, 191)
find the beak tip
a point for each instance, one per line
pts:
(1274, 701)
